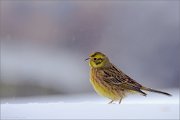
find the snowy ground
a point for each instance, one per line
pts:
(153, 106)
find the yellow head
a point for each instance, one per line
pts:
(97, 60)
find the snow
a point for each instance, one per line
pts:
(153, 106)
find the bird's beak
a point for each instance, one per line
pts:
(87, 59)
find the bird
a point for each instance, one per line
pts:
(109, 81)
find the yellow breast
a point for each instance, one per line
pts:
(102, 88)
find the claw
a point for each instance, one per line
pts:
(110, 102)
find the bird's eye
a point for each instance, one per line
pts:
(95, 58)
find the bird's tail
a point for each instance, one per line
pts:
(157, 91)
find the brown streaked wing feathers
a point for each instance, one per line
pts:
(117, 77)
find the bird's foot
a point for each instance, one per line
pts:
(110, 102)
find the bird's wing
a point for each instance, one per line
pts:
(117, 77)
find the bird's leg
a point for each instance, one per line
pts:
(120, 101)
(110, 101)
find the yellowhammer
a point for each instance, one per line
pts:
(111, 82)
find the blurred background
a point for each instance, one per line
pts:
(44, 44)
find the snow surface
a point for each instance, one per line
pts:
(153, 106)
